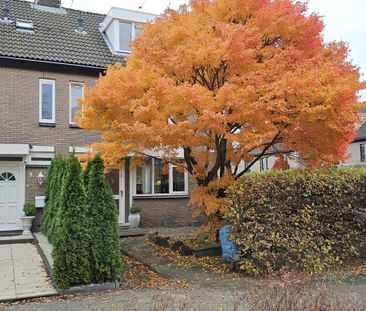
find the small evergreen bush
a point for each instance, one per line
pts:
(53, 196)
(29, 209)
(135, 210)
(103, 215)
(72, 234)
(304, 220)
(45, 223)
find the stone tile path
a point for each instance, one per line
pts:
(194, 274)
(22, 273)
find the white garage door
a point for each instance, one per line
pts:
(10, 209)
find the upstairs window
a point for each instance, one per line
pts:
(128, 31)
(76, 92)
(46, 101)
(362, 153)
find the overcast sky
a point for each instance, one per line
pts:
(344, 19)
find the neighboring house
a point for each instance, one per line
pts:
(356, 151)
(47, 56)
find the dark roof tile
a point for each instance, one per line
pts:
(54, 38)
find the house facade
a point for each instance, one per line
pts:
(48, 55)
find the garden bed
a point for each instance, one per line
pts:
(45, 249)
(187, 246)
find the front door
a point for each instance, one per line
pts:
(10, 197)
(117, 181)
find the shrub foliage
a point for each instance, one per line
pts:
(72, 235)
(103, 215)
(53, 190)
(305, 220)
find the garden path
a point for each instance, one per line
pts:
(22, 274)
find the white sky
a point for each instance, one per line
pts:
(344, 19)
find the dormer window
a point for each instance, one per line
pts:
(121, 26)
(24, 25)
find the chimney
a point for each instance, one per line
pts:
(5, 18)
(49, 3)
(80, 24)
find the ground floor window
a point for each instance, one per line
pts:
(362, 153)
(158, 178)
(264, 164)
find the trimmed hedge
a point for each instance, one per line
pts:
(303, 220)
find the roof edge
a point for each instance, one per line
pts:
(52, 62)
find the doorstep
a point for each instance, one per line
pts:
(16, 239)
(131, 232)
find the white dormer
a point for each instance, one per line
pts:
(121, 26)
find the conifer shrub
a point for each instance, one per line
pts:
(86, 173)
(52, 194)
(303, 220)
(58, 174)
(105, 254)
(72, 235)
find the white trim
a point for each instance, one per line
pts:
(128, 15)
(80, 150)
(122, 193)
(70, 89)
(14, 149)
(42, 149)
(53, 84)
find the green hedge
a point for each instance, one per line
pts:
(303, 220)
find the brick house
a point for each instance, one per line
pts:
(47, 55)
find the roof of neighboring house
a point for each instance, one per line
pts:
(55, 38)
(361, 133)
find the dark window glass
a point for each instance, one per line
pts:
(143, 178)
(47, 100)
(113, 179)
(362, 153)
(161, 177)
(76, 93)
(178, 180)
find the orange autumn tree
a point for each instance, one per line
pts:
(227, 81)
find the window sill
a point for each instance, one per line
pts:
(158, 197)
(74, 126)
(45, 124)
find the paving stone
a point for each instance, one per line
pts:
(23, 275)
(5, 252)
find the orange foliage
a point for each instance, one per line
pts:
(221, 78)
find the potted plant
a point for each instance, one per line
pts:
(134, 216)
(29, 212)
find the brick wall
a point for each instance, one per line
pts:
(19, 109)
(165, 212)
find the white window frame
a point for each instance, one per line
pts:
(70, 89)
(171, 192)
(53, 84)
(133, 34)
